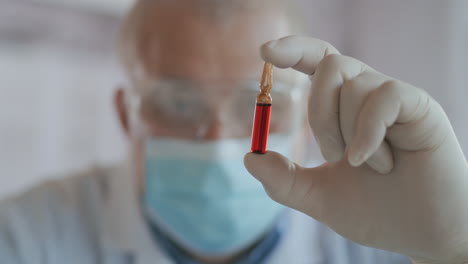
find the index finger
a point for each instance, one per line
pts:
(297, 52)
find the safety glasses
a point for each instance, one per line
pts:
(185, 109)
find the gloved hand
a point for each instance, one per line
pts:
(395, 176)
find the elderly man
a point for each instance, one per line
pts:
(184, 196)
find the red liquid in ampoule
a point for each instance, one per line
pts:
(261, 128)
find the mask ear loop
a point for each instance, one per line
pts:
(133, 106)
(201, 132)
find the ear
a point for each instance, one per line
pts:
(121, 109)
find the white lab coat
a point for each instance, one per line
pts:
(94, 217)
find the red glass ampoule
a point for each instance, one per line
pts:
(261, 125)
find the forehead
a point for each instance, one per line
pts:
(178, 42)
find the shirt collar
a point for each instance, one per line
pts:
(256, 255)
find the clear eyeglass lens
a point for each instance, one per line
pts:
(182, 109)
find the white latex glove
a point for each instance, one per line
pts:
(418, 204)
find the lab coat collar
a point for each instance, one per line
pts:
(125, 230)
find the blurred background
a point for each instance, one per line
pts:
(58, 70)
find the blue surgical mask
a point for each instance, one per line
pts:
(202, 197)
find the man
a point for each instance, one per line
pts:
(185, 197)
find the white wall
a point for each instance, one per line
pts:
(423, 42)
(57, 75)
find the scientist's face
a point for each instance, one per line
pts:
(194, 73)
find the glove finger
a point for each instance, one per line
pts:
(353, 96)
(324, 103)
(392, 102)
(297, 52)
(286, 182)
